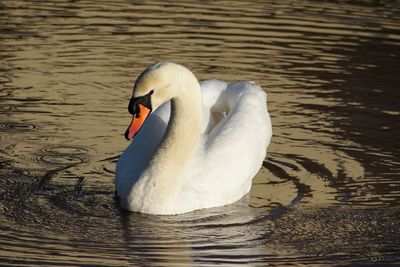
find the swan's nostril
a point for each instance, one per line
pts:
(136, 110)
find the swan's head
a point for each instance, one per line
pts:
(157, 84)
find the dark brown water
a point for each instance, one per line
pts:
(329, 193)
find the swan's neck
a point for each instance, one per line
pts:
(181, 138)
(184, 128)
(164, 175)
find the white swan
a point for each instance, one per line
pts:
(201, 146)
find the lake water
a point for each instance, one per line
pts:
(328, 194)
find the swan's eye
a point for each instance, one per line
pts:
(132, 107)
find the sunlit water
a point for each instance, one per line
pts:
(328, 194)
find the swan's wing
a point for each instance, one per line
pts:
(235, 147)
(138, 153)
(211, 91)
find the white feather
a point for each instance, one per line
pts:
(231, 145)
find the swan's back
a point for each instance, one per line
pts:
(234, 142)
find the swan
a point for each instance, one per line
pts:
(193, 146)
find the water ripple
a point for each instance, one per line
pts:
(327, 193)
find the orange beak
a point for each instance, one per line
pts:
(137, 121)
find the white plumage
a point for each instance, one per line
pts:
(215, 143)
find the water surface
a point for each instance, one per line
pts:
(328, 193)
